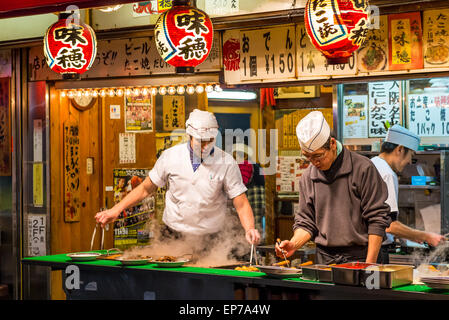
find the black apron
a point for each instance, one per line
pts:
(339, 255)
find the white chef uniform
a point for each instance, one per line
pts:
(391, 179)
(196, 201)
(402, 137)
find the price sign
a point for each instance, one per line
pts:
(312, 63)
(268, 54)
(428, 114)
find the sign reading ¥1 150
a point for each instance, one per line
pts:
(268, 53)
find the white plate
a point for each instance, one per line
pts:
(280, 272)
(173, 264)
(133, 262)
(83, 256)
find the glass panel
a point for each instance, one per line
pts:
(427, 102)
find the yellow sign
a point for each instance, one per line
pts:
(436, 38)
(38, 185)
(173, 109)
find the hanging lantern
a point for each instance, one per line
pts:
(337, 28)
(70, 46)
(184, 36)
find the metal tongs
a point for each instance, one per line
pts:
(253, 250)
(102, 236)
(278, 242)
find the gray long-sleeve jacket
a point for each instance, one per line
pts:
(343, 212)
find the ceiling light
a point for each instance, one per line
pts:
(232, 95)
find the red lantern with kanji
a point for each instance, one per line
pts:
(337, 28)
(184, 36)
(70, 46)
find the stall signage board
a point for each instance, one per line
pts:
(405, 41)
(122, 57)
(428, 114)
(173, 112)
(373, 54)
(222, 7)
(37, 235)
(268, 54)
(5, 128)
(72, 199)
(384, 105)
(355, 116)
(436, 38)
(312, 63)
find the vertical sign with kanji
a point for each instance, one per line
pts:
(5, 137)
(173, 110)
(405, 41)
(436, 38)
(71, 171)
(384, 106)
(268, 54)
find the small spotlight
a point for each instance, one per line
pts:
(162, 91)
(181, 90)
(190, 89)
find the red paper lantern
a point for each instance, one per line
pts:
(184, 36)
(337, 27)
(70, 46)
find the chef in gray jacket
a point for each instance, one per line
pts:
(342, 198)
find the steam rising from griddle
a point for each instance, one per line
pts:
(222, 250)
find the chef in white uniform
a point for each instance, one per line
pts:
(396, 152)
(200, 177)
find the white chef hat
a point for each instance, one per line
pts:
(202, 125)
(403, 137)
(312, 131)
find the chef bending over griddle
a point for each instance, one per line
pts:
(341, 199)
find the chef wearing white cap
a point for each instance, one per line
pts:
(341, 199)
(200, 177)
(397, 152)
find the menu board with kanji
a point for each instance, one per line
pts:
(436, 38)
(405, 41)
(428, 114)
(373, 54)
(71, 171)
(355, 116)
(288, 171)
(312, 63)
(268, 53)
(173, 110)
(384, 107)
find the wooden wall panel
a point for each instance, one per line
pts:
(73, 236)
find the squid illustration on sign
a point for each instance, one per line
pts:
(184, 36)
(337, 28)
